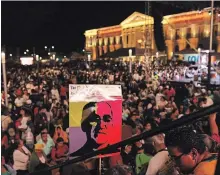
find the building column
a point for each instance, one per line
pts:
(124, 38)
(105, 47)
(129, 39)
(194, 42)
(133, 39)
(170, 48)
(100, 50)
(111, 46)
(100, 46)
(218, 44)
(86, 42)
(94, 53)
(181, 44)
(154, 48)
(117, 42)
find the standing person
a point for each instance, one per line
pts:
(5, 118)
(55, 94)
(21, 157)
(157, 163)
(63, 93)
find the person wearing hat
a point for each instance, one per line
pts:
(38, 159)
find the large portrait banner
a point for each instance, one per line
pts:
(95, 117)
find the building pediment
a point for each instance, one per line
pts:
(136, 19)
(92, 32)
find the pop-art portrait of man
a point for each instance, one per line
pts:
(100, 126)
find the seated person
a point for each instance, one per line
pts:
(59, 153)
(188, 150)
(60, 133)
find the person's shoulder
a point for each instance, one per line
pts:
(161, 155)
(206, 168)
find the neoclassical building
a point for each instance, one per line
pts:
(190, 30)
(133, 32)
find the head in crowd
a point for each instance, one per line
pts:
(185, 148)
(4, 110)
(157, 141)
(147, 126)
(211, 145)
(119, 170)
(59, 142)
(80, 169)
(38, 148)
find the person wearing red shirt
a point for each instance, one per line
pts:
(63, 95)
(60, 151)
(171, 93)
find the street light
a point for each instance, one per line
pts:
(10, 55)
(45, 47)
(37, 57)
(25, 53)
(38, 80)
(27, 50)
(157, 56)
(4, 78)
(130, 61)
(53, 56)
(52, 47)
(48, 53)
(89, 58)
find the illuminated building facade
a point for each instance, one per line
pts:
(193, 27)
(133, 32)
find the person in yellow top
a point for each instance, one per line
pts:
(187, 149)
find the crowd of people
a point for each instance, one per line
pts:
(35, 124)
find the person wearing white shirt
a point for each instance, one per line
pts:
(157, 163)
(55, 94)
(19, 102)
(21, 157)
(158, 98)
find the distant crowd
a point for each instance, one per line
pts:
(35, 124)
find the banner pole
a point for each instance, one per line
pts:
(100, 166)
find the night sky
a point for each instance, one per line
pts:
(62, 24)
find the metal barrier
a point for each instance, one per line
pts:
(113, 148)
